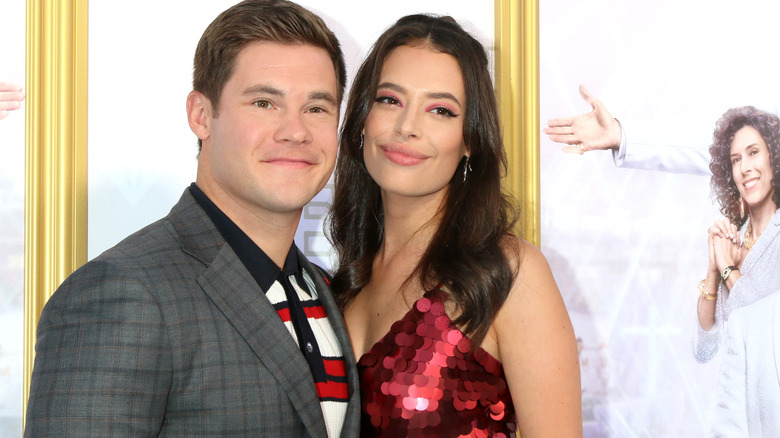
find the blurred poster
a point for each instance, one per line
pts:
(628, 247)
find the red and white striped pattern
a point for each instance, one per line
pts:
(333, 392)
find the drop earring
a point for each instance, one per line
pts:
(741, 207)
(361, 142)
(466, 169)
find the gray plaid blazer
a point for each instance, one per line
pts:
(167, 334)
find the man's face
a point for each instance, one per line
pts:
(273, 144)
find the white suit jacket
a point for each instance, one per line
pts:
(654, 154)
(749, 383)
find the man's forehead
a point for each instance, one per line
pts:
(280, 64)
(275, 54)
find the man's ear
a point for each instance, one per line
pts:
(199, 113)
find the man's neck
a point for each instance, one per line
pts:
(272, 232)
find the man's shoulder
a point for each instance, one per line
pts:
(151, 241)
(153, 258)
(184, 236)
(184, 227)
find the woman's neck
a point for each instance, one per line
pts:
(410, 223)
(760, 217)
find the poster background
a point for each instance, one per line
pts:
(628, 247)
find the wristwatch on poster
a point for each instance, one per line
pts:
(727, 271)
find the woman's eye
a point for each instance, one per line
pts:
(389, 100)
(442, 111)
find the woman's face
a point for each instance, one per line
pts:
(751, 168)
(413, 135)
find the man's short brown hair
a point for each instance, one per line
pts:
(279, 21)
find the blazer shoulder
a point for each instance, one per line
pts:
(168, 254)
(185, 232)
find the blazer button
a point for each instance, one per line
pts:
(309, 347)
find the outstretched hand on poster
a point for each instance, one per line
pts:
(594, 130)
(11, 97)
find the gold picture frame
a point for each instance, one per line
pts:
(55, 223)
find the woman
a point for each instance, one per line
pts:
(459, 326)
(745, 180)
(745, 177)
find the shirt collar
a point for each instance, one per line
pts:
(257, 262)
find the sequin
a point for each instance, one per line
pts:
(423, 379)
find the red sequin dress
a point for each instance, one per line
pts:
(423, 379)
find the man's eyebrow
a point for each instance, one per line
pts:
(273, 91)
(432, 95)
(263, 89)
(323, 95)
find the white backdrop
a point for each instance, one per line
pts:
(628, 247)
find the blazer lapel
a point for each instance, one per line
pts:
(237, 295)
(764, 242)
(767, 240)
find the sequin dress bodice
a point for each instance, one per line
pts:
(424, 379)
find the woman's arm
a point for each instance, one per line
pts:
(709, 306)
(708, 290)
(539, 353)
(723, 249)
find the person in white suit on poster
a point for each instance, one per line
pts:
(748, 403)
(598, 130)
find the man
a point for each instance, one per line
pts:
(598, 130)
(210, 322)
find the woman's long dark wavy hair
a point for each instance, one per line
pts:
(466, 253)
(724, 189)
